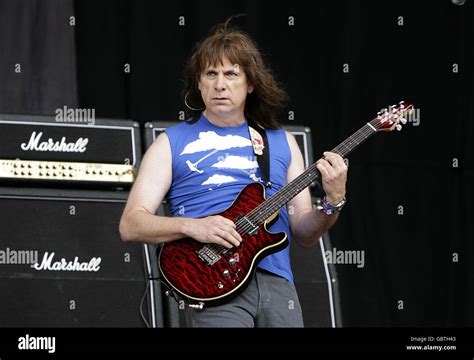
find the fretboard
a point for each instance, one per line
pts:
(289, 191)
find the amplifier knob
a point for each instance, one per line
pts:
(40, 173)
(71, 167)
(40, 166)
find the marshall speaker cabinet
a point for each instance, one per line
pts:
(63, 190)
(315, 279)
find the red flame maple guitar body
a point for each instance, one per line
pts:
(207, 273)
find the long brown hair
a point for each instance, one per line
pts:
(268, 99)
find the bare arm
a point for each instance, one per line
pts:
(307, 224)
(139, 222)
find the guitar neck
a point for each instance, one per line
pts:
(289, 191)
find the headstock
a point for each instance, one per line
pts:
(392, 117)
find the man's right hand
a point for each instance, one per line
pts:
(214, 229)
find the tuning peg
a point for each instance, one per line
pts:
(402, 104)
(398, 127)
(403, 121)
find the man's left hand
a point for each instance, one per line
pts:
(334, 175)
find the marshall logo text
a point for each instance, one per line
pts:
(63, 265)
(35, 144)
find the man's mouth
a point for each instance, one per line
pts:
(220, 98)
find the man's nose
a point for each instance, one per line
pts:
(220, 83)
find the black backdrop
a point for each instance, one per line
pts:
(409, 208)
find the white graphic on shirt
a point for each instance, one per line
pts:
(241, 163)
(236, 162)
(255, 178)
(218, 179)
(193, 166)
(209, 140)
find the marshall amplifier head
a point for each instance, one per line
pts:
(45, 148)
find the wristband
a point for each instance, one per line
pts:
(328, 208)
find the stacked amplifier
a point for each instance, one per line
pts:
(63, 187)
(63, 190)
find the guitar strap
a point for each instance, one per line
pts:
(261, 149)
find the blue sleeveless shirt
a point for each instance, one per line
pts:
(211, 164)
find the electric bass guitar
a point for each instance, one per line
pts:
(210, 274)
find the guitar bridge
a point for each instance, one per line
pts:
(208, 255)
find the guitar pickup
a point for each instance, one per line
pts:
(253, 228)
(208, 255)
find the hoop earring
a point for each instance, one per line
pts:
(189, 107)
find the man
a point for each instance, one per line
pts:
(201, 166)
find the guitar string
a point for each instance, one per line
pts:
(301, 180)
(358, 137)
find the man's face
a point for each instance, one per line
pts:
(224, 89)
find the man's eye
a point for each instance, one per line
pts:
(211, 73)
